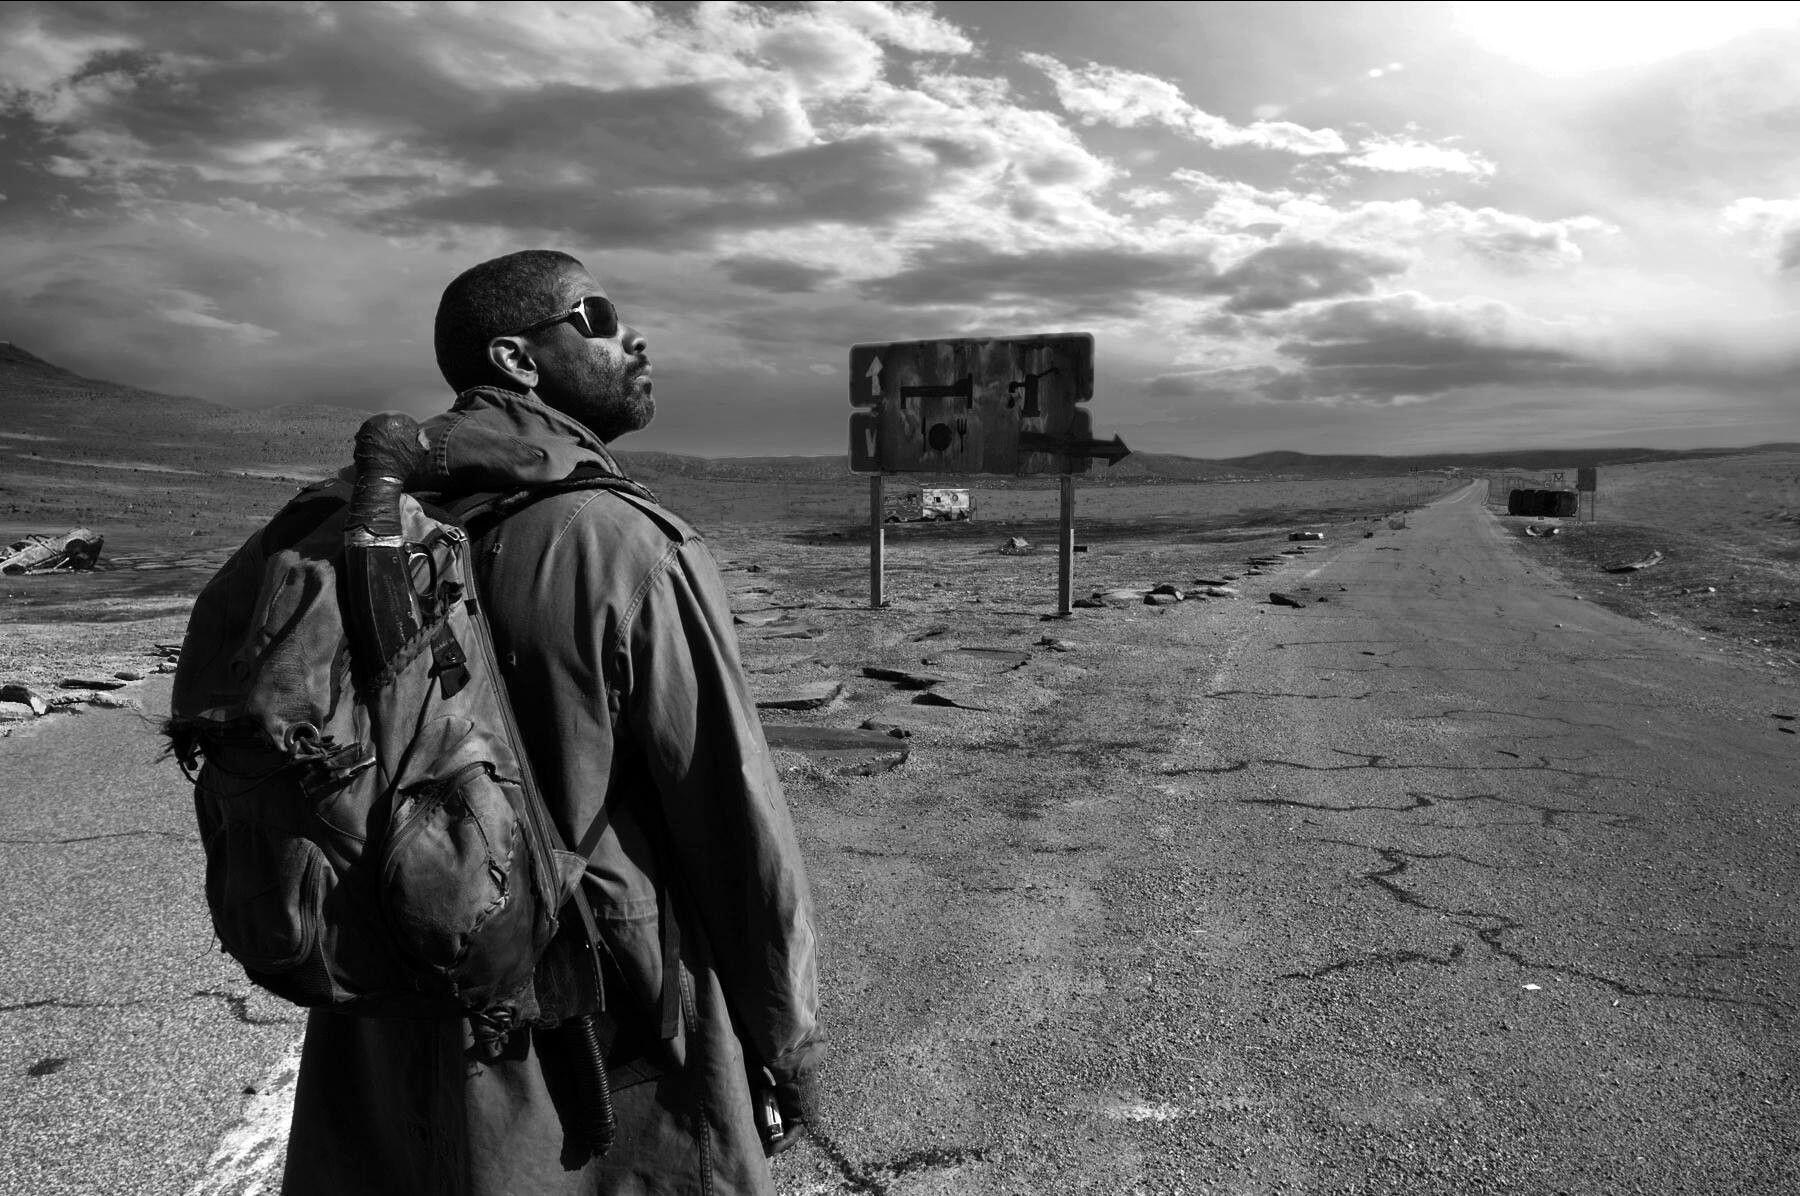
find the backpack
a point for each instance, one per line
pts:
(374, 841)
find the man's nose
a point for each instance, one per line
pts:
(633, 341)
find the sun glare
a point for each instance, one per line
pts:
(1573, 39)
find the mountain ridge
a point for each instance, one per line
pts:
(43, 401)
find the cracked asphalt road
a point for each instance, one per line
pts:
(1449, 883)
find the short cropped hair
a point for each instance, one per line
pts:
(496, 298)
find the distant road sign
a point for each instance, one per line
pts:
(1587, 478)
(1002, 405)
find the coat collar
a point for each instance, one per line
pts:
(494, 439)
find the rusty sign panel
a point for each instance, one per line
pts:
(1586, 478)
(1003, 406)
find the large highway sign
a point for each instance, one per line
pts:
(1003, 405)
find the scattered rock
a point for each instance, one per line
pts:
(92, 683)
(948, 697)
(901, 677)
(1155, 599)
(1655, 558)
(1060, 645)
(1306, 535)
(1220, 592)
(809, 696)
(762, 618)
(1118, 598)
(24, 695)
(1211, 581)
(1277, 598)
(129, 675)
(1167, 588)
(980, 660)
(166, 666)
(932, 632)
(841, 751)
(1015, 546)
(1368, 535)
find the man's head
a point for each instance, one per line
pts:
(498, 325)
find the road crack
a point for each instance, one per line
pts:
(869, 1179)
(1492, 935)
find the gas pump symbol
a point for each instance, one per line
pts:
(1029, 389)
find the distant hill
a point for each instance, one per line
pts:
(41, 403)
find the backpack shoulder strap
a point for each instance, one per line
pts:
(480, 513)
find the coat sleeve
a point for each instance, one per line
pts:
(689, 710)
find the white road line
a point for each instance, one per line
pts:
(244, 1163)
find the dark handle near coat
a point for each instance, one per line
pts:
(382, 615)
(388, 454)
(598, 1124)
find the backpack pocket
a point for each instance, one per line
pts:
(456, 882)
(267, 890)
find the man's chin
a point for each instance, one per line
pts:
(632, 416)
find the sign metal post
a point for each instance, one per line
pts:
(877, 541)
(1065, 565)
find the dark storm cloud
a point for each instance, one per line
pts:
(865, 181)
(1787, 257)
(1279, 276)
(774, 274)
(1405, 347)
(1099, 281)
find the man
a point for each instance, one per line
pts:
(616, 641)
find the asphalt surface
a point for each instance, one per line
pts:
(127, 1040)
(1445, 882)
(1449, 882)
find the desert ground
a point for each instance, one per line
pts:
(1466, 872)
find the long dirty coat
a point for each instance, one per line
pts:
(616, 640)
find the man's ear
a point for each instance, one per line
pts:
(512, 356)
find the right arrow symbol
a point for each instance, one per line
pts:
(874, 377)
(1113, 450)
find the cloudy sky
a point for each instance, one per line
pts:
(1327, 227)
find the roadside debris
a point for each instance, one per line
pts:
(76, 549)
(24, 695)
(1306, 535)
(810, 696)
(1015, 546)
(92, 683)
(1655, 558)
(1539, 530)
(902, 678)
(1055, 644)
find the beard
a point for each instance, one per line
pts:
(612, 397)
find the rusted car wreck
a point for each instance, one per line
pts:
(70, 550)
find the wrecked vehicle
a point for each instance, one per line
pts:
(927, 504)
(71, 550)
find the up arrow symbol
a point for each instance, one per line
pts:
(874, 377)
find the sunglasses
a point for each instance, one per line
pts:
(593, 317)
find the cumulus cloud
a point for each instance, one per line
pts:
(1278, 277)
(1100, 280)
(1771, 225)
(1097, 94)
(1409, 155)
(776, 274)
